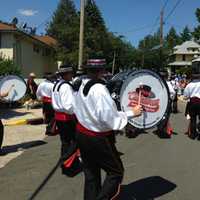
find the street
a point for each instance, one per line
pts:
(155, 168)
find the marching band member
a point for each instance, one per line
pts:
(98, 117)
(192, 92)
(165, 129)
(62, 99)
(44, 93)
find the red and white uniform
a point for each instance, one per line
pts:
(62, 100)
(97, 111)
(44, 91)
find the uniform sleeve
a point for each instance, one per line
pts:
(108, 113)
(67, 98)
(38, 92)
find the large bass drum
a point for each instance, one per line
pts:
(148, 89)
(17, 87)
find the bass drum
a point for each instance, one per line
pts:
(148, 89)
(17, 87)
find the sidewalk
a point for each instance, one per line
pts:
(19, 138)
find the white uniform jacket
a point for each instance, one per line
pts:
(44, 89)
(192, 89)
(63, 98)
(97, 111)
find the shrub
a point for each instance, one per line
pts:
(8, 67)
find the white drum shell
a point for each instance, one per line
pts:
(17, 92)
(159, 88)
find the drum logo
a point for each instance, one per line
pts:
(144, 97)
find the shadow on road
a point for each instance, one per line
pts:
(21, 146)
(8, 114)
(146, 189)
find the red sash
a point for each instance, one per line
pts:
(60, 116)
(46, 99)
(80, 128)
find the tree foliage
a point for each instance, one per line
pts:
(64, 27)
(196, 32)
(186, 34)
(8, 67)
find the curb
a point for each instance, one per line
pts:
(19, 122)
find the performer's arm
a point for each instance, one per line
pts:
(5, 94)
(108, 113)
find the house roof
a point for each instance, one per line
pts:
(7, 27)
(196, 60)
(47, 40)
(180, 63)
(183, 48)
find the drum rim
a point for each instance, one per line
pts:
(165, 83)
(6, 100)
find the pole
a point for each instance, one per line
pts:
(113, 65)
(81, 35)
(161, 40)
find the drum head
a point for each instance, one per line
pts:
(148, 89)
(18, 90)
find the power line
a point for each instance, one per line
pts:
(158, 17)
(173, 9)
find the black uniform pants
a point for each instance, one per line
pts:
(48, 112)
(194, 111)
(100, 153)
(1, 133)
(66, 131)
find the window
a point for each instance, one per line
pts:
(36, 48)
(183, 57)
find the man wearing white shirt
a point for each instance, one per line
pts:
(62, 101)
(44, 93)
(97, 117)
(192, 92)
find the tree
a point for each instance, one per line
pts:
(64, 27)
(172, 38)
(196, 32)
(186, 34)
(97, 42)
(7, 67)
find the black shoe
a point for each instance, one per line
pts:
(193, 136)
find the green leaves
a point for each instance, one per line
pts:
(7, 66)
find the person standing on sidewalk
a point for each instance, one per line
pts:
(62, 101)
(192, 92)
(98, 117)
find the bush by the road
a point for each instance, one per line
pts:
(7, 66)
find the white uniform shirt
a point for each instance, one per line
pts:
(171, 90)
(192, 89)
(97, 111)
(45, 89)
(62, 100)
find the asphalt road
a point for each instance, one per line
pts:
(164, 169)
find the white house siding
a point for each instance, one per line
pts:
(32, 61)
(6, 48)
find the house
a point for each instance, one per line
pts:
(183, 55)
(30, 52)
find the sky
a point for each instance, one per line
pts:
(133, 19)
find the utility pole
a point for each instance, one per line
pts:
(113, 65)
(161, 39)
(81, 35)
